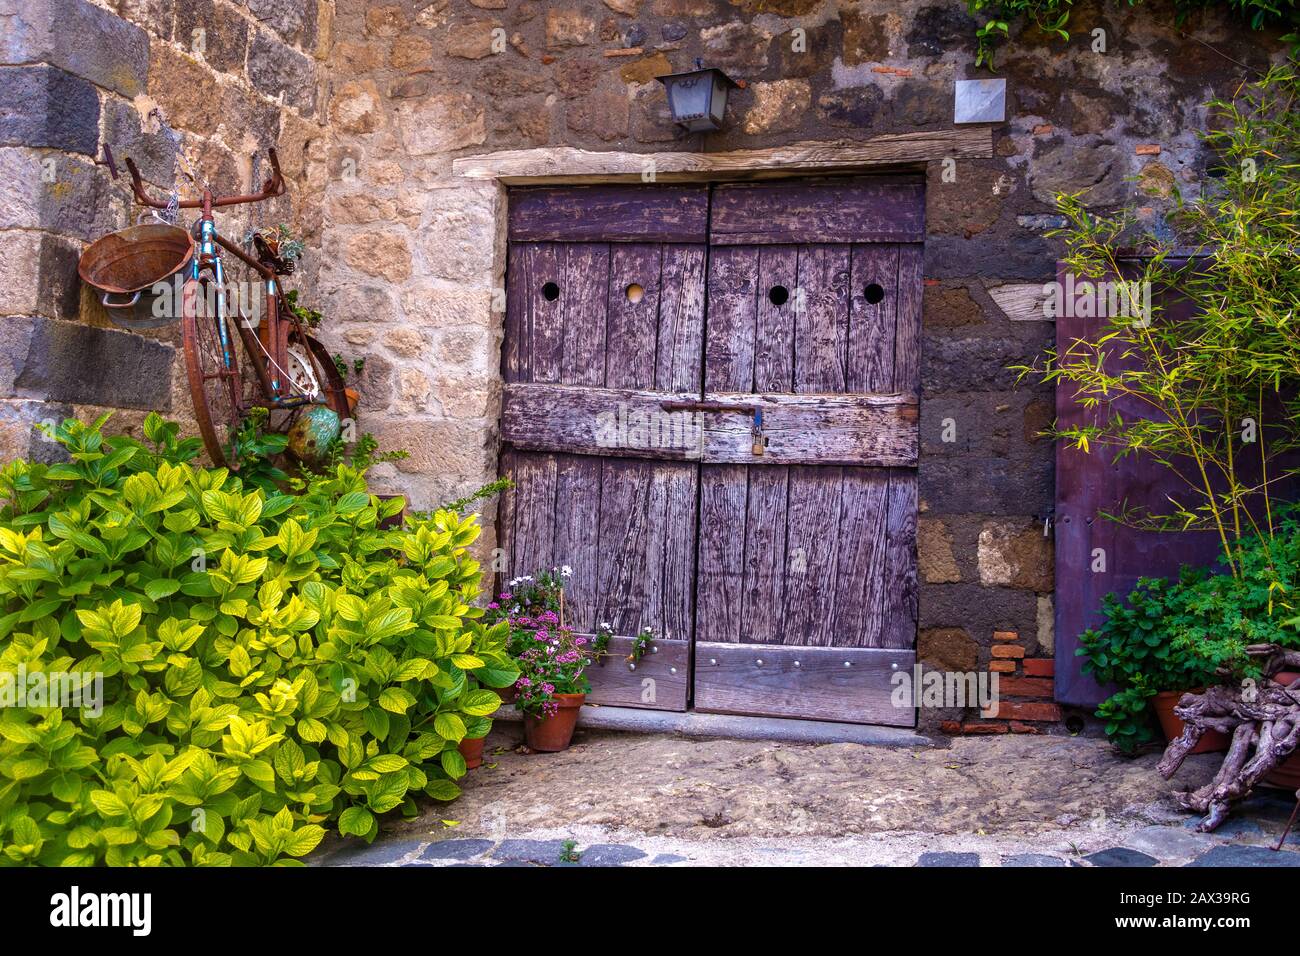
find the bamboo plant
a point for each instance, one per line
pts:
(1216, 388)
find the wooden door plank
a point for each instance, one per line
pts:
(609, 214)
(577, 527)
(541, 320)
(822, 319)
(907, 348)
(830, 430)
(516, 357)
(862, 566)
(506, 512)
(534, 511)
(681, 319)
(719, 593)
(799, 429)
(670, 551)
(900, 582)
(624, 521)
(807, 682)
(729, 347)
(872, 327)
(628, 363)
(584, 294)
(812, 554)
(765, 556)
(778, 268)
(880, 209)
(658, 681)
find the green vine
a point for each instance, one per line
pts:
(1052, 17)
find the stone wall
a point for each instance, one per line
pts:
(230, 79)
(414, 254)
(371, 102)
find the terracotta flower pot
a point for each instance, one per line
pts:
(1164, 702)
(472, 751)
(551, 734)
(1287, 774)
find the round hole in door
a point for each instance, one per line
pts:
(873, 293)
(635, 293)
(779, 295)
(550, 292)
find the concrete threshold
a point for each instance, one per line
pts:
(691, 724)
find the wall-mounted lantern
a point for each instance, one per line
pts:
(698, 99)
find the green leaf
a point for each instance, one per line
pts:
(356, 821)
(396, 700)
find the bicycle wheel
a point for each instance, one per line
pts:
(212, 370)
(333, 388)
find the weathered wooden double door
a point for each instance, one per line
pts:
(710, 415)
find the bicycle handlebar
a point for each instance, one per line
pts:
(274, 186)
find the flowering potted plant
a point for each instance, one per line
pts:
(552, 686)
(529, 602)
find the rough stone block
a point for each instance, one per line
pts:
(19, 437)
(81, 38)
(38, 275)
(68, 362)
(150, 149)
(1020, 256)
(47, 107)
(223, 42)
(296, 21)
(61, 193)
(947, 648)
(440, 124)
(1013, 554)
(935, 559)
(282, 72)
(961, 484)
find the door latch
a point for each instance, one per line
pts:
(759, 445)
(760, 440)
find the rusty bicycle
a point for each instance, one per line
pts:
(293, 374)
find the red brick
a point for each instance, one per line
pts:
(1014, 710)
(1042, 129)
(1018, 728)
(1005, 636)
(1025, 687)
(1003, 667)
(1039, 667)
(1147, 149)
(984, 727)
(1007, 650)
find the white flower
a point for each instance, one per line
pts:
(566, 571)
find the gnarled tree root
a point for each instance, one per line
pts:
(1263, 720)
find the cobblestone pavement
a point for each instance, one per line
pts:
(655, 800)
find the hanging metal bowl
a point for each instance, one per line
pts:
(135, 271)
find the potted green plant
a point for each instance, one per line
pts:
(1168, 638)
(494, 669)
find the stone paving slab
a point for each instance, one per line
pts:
(659, 800)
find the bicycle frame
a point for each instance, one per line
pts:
(268, 349)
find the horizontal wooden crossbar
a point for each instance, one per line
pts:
(568, 165)
(862, 429)
(854, 684)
